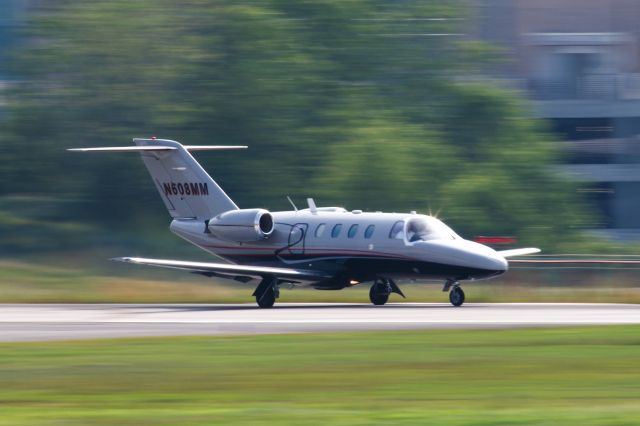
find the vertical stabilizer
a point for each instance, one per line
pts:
(185, 187)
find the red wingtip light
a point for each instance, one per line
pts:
(153, 138)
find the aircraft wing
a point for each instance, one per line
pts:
(227, 270)
(518, 252)
(569, 261)
(572, 261)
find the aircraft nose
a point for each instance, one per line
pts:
(490, 259)
(486, 258)
(467, 254)
(499, 263)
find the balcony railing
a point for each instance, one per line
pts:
(601, 86)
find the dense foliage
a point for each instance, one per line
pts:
(366, 104)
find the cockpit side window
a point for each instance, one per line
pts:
(397, 230)
(423, 229)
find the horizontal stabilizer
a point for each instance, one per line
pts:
(157, 148)
(213, 147)
(518, 252)
(142, 142)
(124, 149)
(230, 269)
(185, 187)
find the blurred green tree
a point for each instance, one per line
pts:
(361, 102)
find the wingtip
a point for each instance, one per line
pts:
(519, 252)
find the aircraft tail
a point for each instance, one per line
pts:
(185, 187)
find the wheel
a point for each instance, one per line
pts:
(456, 296)
(377, 297)
(267, 300)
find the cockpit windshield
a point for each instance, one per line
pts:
(427, 229)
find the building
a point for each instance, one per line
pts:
(579, 61)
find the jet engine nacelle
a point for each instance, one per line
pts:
(242, 225)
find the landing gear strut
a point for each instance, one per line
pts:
(381, 289)
(267, 292)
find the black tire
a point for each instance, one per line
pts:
(376, 297)
(267, 300)
(456, 296)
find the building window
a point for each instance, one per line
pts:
(352, 231)
(336, 230)
(320, 230)
(397, 230)
(368, 233)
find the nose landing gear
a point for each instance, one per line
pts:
(456, 295)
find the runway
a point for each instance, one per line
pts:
(86, 321)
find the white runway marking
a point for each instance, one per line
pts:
(67, 321)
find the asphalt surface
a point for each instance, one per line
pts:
(86, 321)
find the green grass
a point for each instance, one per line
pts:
(568, 376)
(36, 282)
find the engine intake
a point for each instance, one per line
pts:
(242, 225)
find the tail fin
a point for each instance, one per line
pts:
(185, 187)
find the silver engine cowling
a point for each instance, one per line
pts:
(242, 225)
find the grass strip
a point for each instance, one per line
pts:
(569, 376)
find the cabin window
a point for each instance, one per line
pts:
(368, 233)
(320, 230)
(397, 230)
(336, 230)
(352, 231)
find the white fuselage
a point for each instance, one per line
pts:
(356, 246)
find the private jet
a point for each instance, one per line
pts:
(327, 248)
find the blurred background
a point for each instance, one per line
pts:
(515, 119)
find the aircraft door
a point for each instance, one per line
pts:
(297, 236)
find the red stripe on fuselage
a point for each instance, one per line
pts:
(287, 250)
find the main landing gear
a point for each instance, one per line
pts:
(381, 290)
(456, 295)
(267, 292)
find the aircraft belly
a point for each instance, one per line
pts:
(364, 268)
(415, 269)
